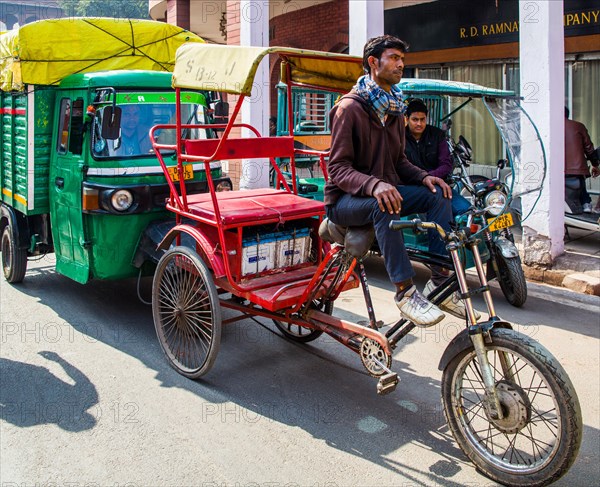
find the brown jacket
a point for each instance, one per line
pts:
(578, 148)
(364, 152)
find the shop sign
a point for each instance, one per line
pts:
(425, 28)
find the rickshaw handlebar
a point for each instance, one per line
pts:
(416, 226)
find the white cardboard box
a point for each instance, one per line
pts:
(258, 257)
(292, 251)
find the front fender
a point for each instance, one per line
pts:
(506, 247)
(204, 244)
(462, 341)
(19, 224)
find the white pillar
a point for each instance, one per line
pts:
(542, 60)
(366, 21)
(254, 31)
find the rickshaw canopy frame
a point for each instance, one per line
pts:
(232, 69)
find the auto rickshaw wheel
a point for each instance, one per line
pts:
(14, 259)
(187, 312)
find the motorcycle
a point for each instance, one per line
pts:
(498, 197)
(492, 195)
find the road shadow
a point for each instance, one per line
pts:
(320, 387)
(31, 395)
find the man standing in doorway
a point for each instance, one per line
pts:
(578, 150)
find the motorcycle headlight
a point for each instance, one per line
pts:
(494, 202)
(121, 200)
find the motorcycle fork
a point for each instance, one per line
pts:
(492, 403)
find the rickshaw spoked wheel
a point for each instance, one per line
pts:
(302, 334)
(537, 440)
(14, 259)
(187, 312)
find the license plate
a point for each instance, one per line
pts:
(188, 172)
(501, 221)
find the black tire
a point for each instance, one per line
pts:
(535, 392)
(14, 259)
(512, 279)
(301, 334)
(187, 312)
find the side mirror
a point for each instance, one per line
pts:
(501, 163)
(221, 114)
(446, 125)
(111, 123)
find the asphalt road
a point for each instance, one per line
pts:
(86, 397)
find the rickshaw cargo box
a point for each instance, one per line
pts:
(292, 247)
(266, 249)
(258, 253)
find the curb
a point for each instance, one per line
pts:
(574, 270)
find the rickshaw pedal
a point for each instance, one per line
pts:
(387, 383)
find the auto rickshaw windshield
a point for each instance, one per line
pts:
(135, 124)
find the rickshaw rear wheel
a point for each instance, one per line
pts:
(187, 312)
(14, 259)
(301, 334)
(537, 440)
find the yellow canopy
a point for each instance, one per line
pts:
(46, 51)
(231, 69)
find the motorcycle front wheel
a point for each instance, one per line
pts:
(537, 440)
(512, 279)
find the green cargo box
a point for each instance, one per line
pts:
(25, 143)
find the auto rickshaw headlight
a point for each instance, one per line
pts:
(494, 202)
(121, 200)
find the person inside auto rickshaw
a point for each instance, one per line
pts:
(370, 179)
(427, 148)
(134, 139)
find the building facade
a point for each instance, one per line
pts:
(480, 45)
(14, 14)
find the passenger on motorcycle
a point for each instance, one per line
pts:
(426, 147)
(370, 179)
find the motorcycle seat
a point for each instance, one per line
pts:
(356, 240)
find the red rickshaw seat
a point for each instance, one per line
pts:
(255, 205)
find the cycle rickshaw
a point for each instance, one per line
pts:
(271, 253)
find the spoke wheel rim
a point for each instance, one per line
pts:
(186, 314)
(515, 443)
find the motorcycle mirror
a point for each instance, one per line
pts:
(502, 163)
(463, 141)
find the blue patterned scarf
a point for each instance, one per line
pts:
(383, 103)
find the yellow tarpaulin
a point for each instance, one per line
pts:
(231, 69)
(46, 51)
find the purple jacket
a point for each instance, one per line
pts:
(430, 152)
(364, 152)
